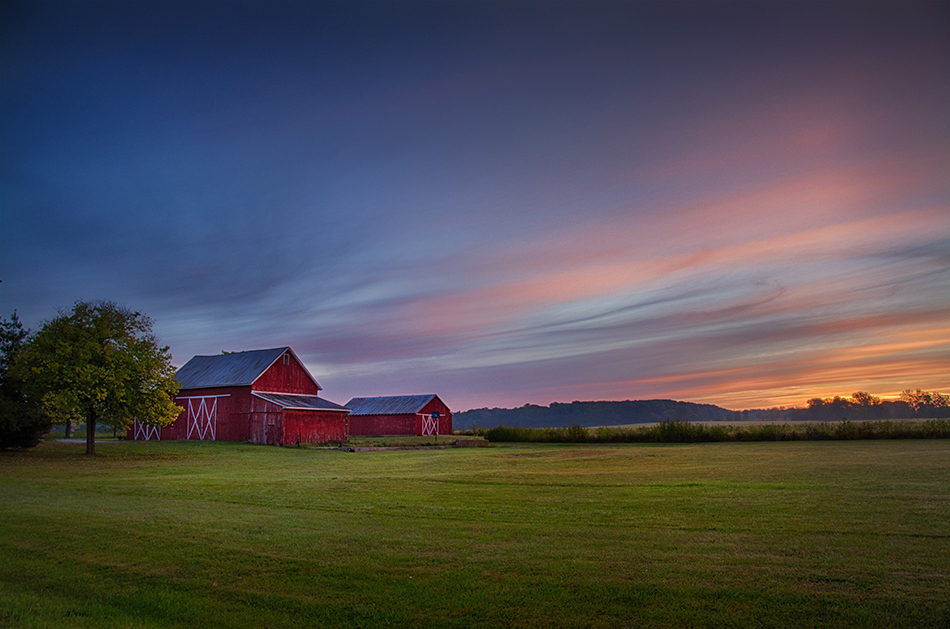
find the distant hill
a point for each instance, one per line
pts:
(592, 414)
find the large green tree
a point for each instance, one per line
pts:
(100, 362)
(22, 423)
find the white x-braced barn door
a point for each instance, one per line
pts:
(202, 417)
(145, 433)
(430, 425)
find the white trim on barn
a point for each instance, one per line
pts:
(199, 397)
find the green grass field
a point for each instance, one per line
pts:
(842, 534)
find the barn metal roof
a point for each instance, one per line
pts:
(299, 401)
(231, 370)
(393, 405)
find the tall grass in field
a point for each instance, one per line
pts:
(675, 431)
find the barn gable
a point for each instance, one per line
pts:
(239, 369)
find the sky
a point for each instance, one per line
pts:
(737, 203)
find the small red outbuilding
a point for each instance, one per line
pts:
(263, 396)
(399, 415)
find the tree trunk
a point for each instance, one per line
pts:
(91, 433)
(69, 428)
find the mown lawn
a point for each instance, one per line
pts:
(843, 534)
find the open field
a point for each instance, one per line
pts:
(186, 534)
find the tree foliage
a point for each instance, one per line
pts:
(864, 406)
(100, 362)
(22, 423)
(926, 402)
(863, 398)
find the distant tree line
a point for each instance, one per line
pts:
(860, 406)
(592, 414)
(864, 406)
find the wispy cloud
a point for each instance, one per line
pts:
(630, 201)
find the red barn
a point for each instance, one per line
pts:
(263, 396)
(399, 415)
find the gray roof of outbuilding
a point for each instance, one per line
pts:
(230, 370)
(393, 405)
(299, 401)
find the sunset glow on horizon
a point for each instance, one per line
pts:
(743, 204)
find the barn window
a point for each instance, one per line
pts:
(286, 359)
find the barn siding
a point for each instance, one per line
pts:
(244, 417)
(272, 425)
(265, 422)
(379, 425)
(230, 419)
(302, 426)
(281, 378)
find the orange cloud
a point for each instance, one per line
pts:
(888, 361)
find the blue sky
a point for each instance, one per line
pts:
(500, 202)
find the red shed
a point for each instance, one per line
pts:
(263, 396)
(399, 415)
